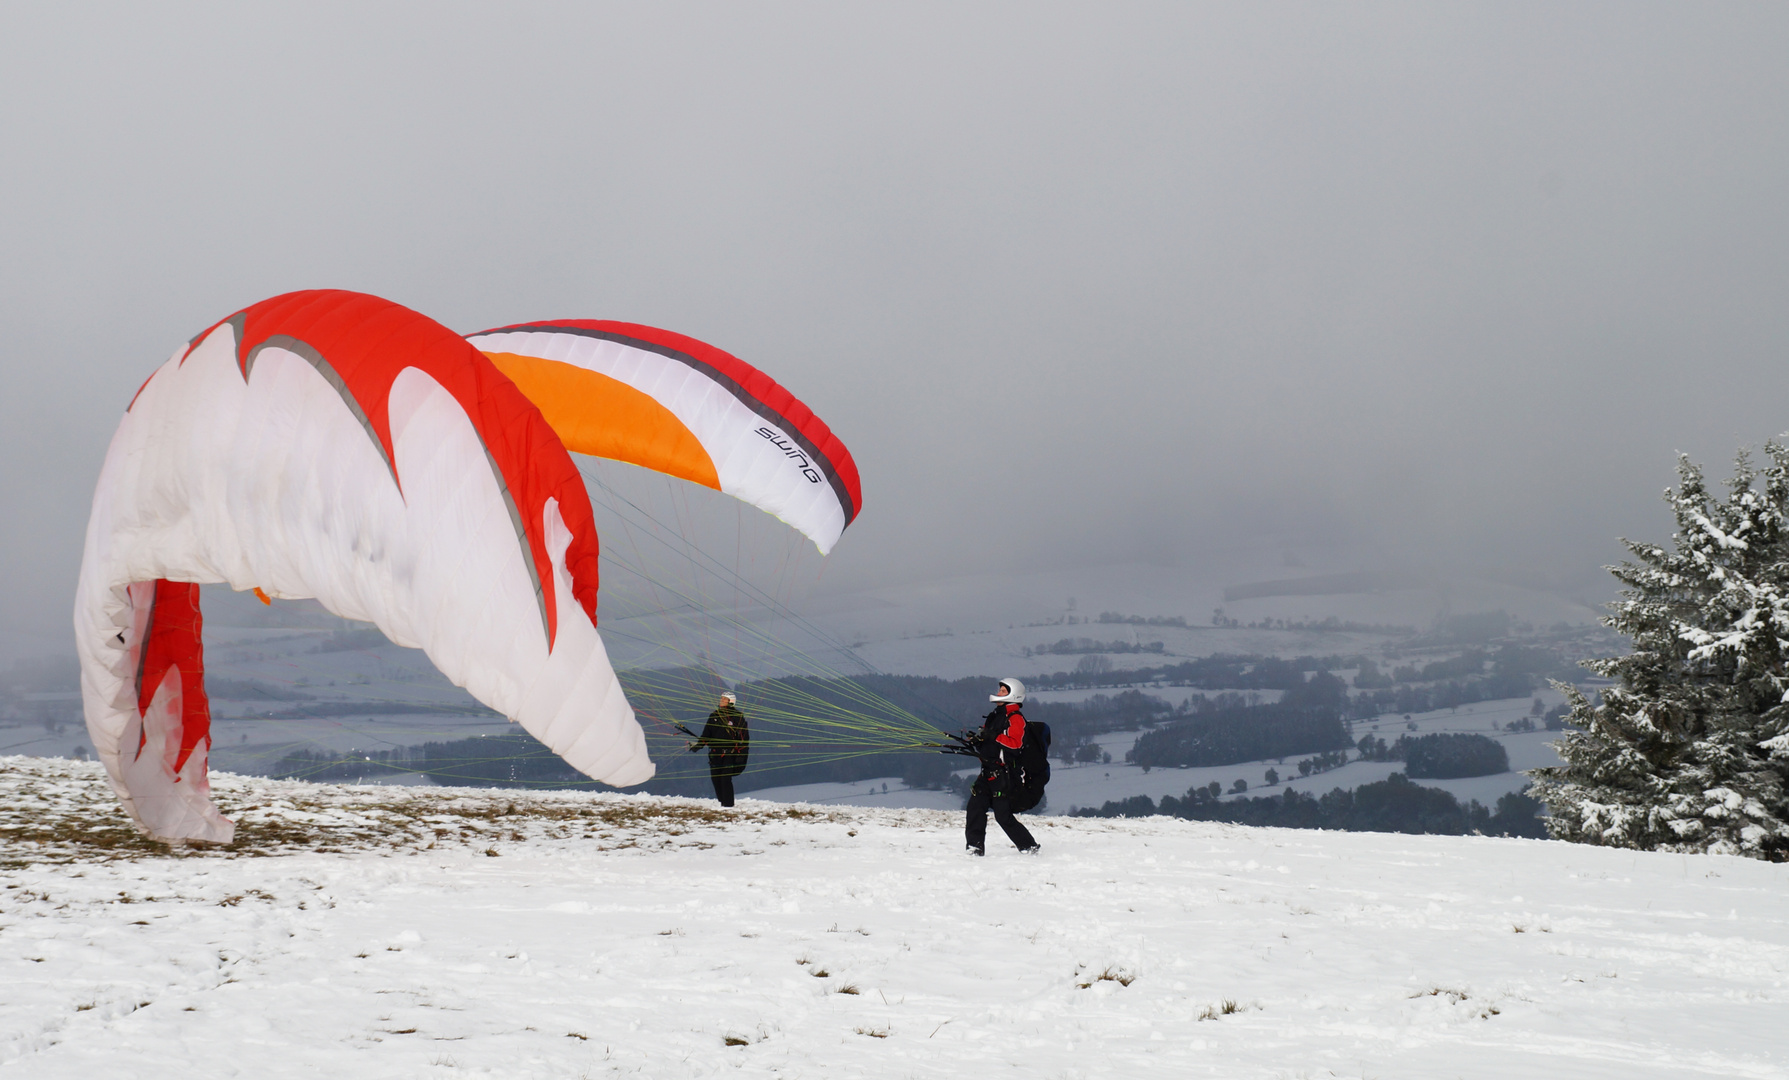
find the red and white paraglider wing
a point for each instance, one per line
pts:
(334, 445)
(682, 407)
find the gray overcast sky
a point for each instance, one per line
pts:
(1374, 283)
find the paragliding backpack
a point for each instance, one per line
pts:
(1033, 770)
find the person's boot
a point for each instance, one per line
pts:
(973, 850)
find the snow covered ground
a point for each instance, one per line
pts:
(423, 932)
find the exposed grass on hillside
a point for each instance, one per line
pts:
(58, 811)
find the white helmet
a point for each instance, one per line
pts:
(1015, 691)
(729, 697)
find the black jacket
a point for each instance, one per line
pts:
(997, 758)
(728, 739)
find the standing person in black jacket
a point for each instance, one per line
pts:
(998, 743)
(728, 740)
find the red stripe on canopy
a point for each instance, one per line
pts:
(369, 341)
(175, 640)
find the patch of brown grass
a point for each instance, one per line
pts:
(1111, 974)
(54, 811)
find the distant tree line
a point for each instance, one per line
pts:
(1075, 725)
(513, 759)
(1510, 670)
(314, 709)
(1322, 763)
(1447, 695)
(1220, 672)
(1081, 646)
(1478, 675)
(1140, 620)
(1443, 756)
(1330, 624)
(1247, 733)
(354, 766)
(1224, 731)
(1392, 805)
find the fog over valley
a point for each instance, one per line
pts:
(1250, 293)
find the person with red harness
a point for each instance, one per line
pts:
(998, 743)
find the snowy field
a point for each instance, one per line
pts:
(358, 932)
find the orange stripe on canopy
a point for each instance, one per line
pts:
(604, 417)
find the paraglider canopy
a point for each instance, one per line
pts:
(334, 445)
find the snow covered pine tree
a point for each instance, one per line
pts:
(1689, 750)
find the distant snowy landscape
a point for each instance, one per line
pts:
(425, 932)
(1090, 785)
(293, 678)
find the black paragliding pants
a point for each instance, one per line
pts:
(975, 824)
(722, 768)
